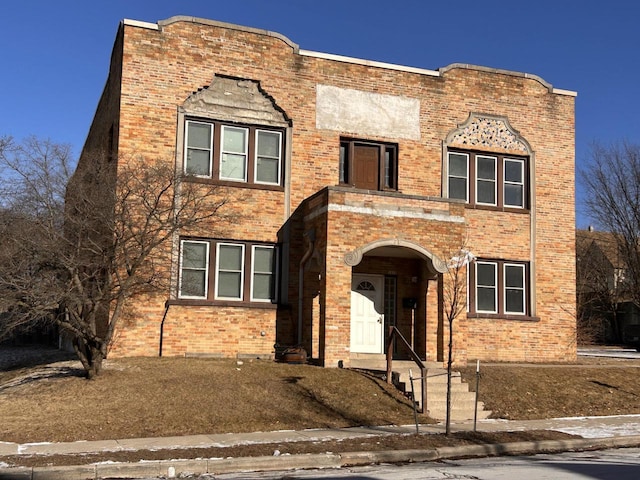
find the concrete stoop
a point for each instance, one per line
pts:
(462, 400)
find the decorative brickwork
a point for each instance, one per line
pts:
(487, 133)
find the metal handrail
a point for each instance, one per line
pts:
(393, 333)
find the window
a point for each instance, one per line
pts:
(199, 149)
(487, 180)
(268, 157)
(193, 269)
(233, 153)
(239, 272)
(514, 182)
(514, 293)
(486, 287)
(458, 175)
(368, 165)
(262, 274)
(229, 272)
(233, 156)
(498, 287)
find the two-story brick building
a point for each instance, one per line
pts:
(358, 181)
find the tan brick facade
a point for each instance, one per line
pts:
(161, 76)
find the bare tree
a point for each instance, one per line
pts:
(454, 299)
(79, 247)
(600, 286)
(612, 183)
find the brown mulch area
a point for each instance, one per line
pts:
(384, 442)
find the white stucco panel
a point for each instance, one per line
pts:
(367, 114)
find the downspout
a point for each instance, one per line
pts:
(311, 236)
(164, 317)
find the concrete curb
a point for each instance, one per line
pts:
(217, 466)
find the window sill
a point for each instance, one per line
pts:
(499, 316)
(221, 303)
(490, 208)
(228, 183)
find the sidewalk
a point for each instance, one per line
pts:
(597, 432)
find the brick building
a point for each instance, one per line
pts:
(358, 181)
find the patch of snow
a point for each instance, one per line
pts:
(23, 447)
(598, 417)
(628, 429)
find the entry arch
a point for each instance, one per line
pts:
(354, 257)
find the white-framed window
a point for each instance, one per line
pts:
(268, 157)
(194, 269)
(458, 175)
(487, 180)
(486, 287)
(199, 149)
(237, 272)
(229, 271)
(234, 153)
(263, 279)
(498, 287)
(514, 182)
(515, 300)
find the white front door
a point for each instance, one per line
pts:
(367, 314)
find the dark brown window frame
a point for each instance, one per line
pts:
(500, 183)
(346, 165)
(501, 291)
(247, 269)
(251, 155)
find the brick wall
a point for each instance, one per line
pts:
(162, 68)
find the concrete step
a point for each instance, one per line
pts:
(463, 401)
(457, 415)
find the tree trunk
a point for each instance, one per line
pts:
(449, 365)
(91, 356)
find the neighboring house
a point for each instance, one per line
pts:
(359, 180)
(603, 292)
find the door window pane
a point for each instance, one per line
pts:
(389, 167)
(343, 167)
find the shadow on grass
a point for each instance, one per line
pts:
(39, 374)
(351, 418)
(613, 387)
(13, 358)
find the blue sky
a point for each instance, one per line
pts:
(55, 54)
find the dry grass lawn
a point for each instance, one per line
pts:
(591, 387)
(146, 397)
(45, 398)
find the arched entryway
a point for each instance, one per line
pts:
(395, 283)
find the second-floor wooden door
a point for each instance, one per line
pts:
(366, 167)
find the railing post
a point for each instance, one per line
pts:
(423, 399)
(390, 354)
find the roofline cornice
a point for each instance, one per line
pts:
(340, 58)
